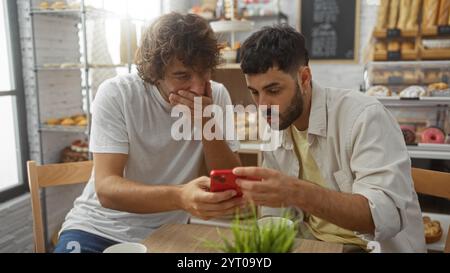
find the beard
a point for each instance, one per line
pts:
(294, 110)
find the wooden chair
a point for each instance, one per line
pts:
(435, 184)
(48, 176)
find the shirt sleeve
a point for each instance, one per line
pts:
(222, 98)
(108, 132)
(382, 169)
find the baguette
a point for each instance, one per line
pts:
(405, 9)
(393, 13)
(414, 15)
(382, 14)
(430, 12)
(444, 9)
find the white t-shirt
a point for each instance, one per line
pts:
(132, 118)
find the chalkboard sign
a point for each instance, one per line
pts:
(331, 29)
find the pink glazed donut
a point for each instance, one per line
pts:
(433, 135)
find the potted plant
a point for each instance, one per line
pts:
(266, 235)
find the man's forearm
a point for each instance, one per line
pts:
(134, 197)
(349, 211)
(219, 156)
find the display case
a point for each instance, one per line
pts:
(417, 94)
(399, 75)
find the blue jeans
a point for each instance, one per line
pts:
(77, 241)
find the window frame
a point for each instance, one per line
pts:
(18, 98)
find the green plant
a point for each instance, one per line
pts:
(251, 237)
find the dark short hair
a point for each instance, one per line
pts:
(279, 45)
(188, 38)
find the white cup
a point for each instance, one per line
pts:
(275, 221)
(126, 248)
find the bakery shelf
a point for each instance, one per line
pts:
(91, 13)
(419, 102)
(433, 32)
(420, 153)
(229, 66)
(232, 26)
(78, 67)
(63, 129)
(383, 33)
(435, 53)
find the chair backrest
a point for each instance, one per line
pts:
(48, 176)
(431, 182)
(435, 184)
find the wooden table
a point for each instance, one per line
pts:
(184, 238)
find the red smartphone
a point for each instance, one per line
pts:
(223, 180)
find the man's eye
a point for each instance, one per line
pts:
(184, 77)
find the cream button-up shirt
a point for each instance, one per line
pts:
(359, 148)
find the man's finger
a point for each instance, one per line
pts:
(208, 89)
(232, 203)
(187, 95)
(176, 99)
(216, 197)
(250, 185)
(254, 172)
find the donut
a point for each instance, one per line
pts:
(433, 135)
(409, 135)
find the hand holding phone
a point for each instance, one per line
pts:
(223, 180)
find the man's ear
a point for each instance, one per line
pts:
(304, 77)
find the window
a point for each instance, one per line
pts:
(13, 139)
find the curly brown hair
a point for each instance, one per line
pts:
(189, 38)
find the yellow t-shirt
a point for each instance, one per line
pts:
(309, 171)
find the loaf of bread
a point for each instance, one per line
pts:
(405, 9)
(430, 13)
(414, 15)
(394, 46)
(393, 13)
(443, 16)
(407, 46)
(382, 14)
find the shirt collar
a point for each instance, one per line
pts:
(317, 118)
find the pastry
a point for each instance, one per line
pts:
(393, 46)
(53, 121)
(433, 135)
(438, 90)
(68, 122)
(405, 9)
(380, 46)
(59, 5)
(44, 5)
(432, 230)
(407, 46)
(408, 134)
(437, 86)
(430, 13)
(444, 10)
(414, 91)
(82, 122)
(413, 15)
(382, 14)
(409, 76)
(431, 76)
(379, 91)
(393, 13)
